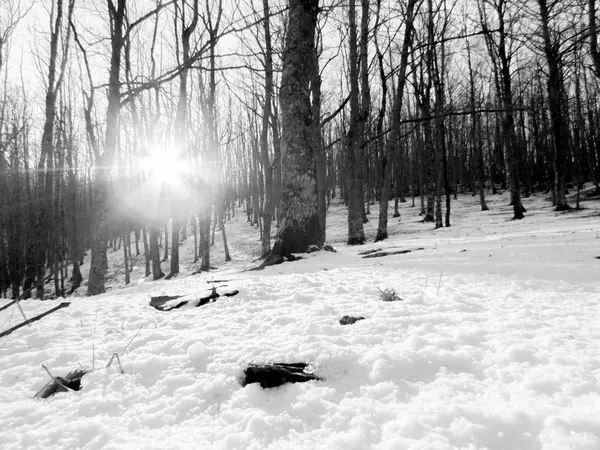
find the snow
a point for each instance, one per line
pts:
(495, 345)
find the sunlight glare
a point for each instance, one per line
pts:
(164, 166)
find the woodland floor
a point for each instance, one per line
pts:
(496, 344)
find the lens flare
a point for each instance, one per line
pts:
(164, 166)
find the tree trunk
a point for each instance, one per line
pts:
(552, 52)
(386, 164)
(157, 272)
(264, 136)
(99, 262)
(300, 227)
(356, 234)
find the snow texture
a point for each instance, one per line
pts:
(496, 345)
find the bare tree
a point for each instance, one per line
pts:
(356, 233)
(182, 113)
(299, 227)
(104, 161)
(553, 55)
(39, 246)
(501, 61)
(268, 206)
(396, 122)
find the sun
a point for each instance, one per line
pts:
(164, 166)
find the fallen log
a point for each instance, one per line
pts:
(399, 252)
(72, 382)
(368, 252)
(277, 374)
(349, 320)
(33, 319)
(159, 302)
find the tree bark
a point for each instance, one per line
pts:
(356, 233)
(299, 228)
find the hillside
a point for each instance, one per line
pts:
(495, 344)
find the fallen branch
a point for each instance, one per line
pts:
(382, 254)
(8, 305)
(369, 252)
(33, 319)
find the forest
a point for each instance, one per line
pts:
(133, 126)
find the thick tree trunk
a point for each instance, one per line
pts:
(356, 234)
(300, 227)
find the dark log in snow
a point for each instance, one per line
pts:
(398, 252)
(159, 302)
(369, 252)
(59, 384)
(349, 320)
(273, 375)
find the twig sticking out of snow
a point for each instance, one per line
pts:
(112, 358)
(129, 343)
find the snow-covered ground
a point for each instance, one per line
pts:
(495, 345)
